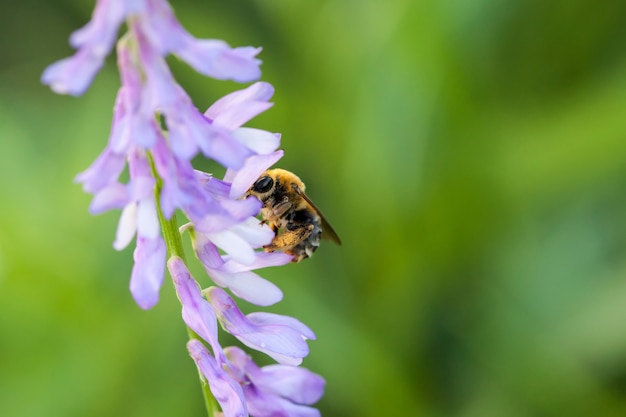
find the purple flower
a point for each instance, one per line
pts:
(229, 273)
(226, 390)
(156, 20)
(225, 232)
(149, 89)
(147, 275)
(272, 390)
(232, 111)
(197, 313)
(139, 216)
(276, 390)
(227, 212)
(233, 228)
(280, 337)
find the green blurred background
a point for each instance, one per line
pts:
(470, 154)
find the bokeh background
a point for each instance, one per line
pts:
(471, 155)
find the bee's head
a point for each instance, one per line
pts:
(262, 186)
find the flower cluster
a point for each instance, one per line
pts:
(155, 134)
(237, 383)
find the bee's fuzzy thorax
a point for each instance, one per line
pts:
(297, 223)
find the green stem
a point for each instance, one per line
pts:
(174, 244)
(171, 235)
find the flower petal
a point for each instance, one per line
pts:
(271, 319)
(101, 31)
(113, 196)
(226, 390)
(218, 188)
(126, 227)
(294, 383)
(259, 92)
(248, 286)
(276, 338)
(162, 29)
(159, 81)
(147, 276)
(216, 59)
(147, 219)
(181, 188)
(263, 260)
(73, 75)
(102, 172)
(197, 312)
(260, 141)
(263, 404)
(298, 385)
(185, 133)
(234, 245)
(234, 117)
(253, 232)
(244, 284)
(252, 169)
(222, 147)
(206, 251)
(228, 214)
(237, 64)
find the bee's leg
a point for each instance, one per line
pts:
(281, 208)
(289, 238)
(272, 225)
(297, 257)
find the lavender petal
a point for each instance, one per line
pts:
(259, 141)
(101, 31)
(110, 197)
(248, 286)
(197, 312)
(252, 169)
(147, 275)
(234, 245)
(126, 227)
(233, 110)
(294, 383)
(226, 391)
(277, 339)
(102, 172)
(263, 404)
(73, 75)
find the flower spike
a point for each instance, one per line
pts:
(146, 171)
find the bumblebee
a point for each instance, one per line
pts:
(297, 223)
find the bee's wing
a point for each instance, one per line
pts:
(327, 230)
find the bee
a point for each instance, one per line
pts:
(297, 223)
